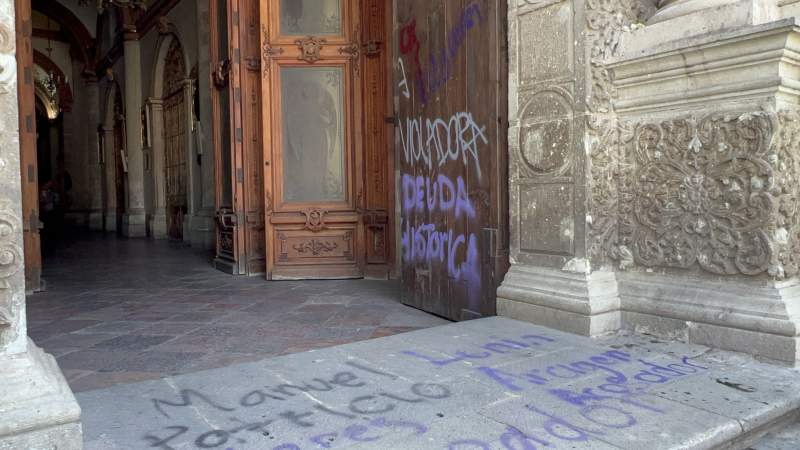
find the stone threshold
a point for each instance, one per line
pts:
(492, 383)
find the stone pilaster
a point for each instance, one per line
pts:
(95, 169)
(37, 408)
(109, 178)
(158, 225)
(560, 98)
(134, 220)
(203, 226)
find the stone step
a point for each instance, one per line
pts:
(786, 438)
(486, 384)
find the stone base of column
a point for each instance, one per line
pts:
(96, 220)
(134, 225)
(38, 409)
(111, 223)
(586, 304)
(759, 317)
(202, 232)
(158, 225)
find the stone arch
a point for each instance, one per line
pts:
(173, 174)
(63, 88)
(166, 43)
(81, 41)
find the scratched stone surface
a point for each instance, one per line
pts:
(492, 383)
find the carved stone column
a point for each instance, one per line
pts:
(134, 222)
(93, 156)
(37, 408)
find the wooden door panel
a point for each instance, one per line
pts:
(313, 152)
(450, 85)
(27, 141)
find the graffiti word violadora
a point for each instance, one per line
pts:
(438, 194)
(497, 346)
(426, 244)
(440, 141)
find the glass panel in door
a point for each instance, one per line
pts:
(313, 139)
(311, 17)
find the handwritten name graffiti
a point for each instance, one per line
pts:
(497, 346)
(616, 403)
(441, 61)
(363, 410)
(443, 140)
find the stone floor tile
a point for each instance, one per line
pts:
(115, 327)
(132, 342)
(101, 380)
(99, 315)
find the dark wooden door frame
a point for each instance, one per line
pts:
(27, 140)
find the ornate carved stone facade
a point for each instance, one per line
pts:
(710, 193)
(606, 21)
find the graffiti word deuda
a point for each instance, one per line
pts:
(438, 194)
(440, 141)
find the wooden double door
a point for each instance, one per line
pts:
(315, 122)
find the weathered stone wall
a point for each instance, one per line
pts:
(653, 171)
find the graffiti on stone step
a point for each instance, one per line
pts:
(568, 399)
(618, 401)
(496, 346)
(274, 406)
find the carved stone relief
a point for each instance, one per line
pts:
(546, 135)
(8, 63)
(716, 193)
(11, 259)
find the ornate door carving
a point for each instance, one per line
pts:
(314, 151)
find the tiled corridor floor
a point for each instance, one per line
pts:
(118, 311)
